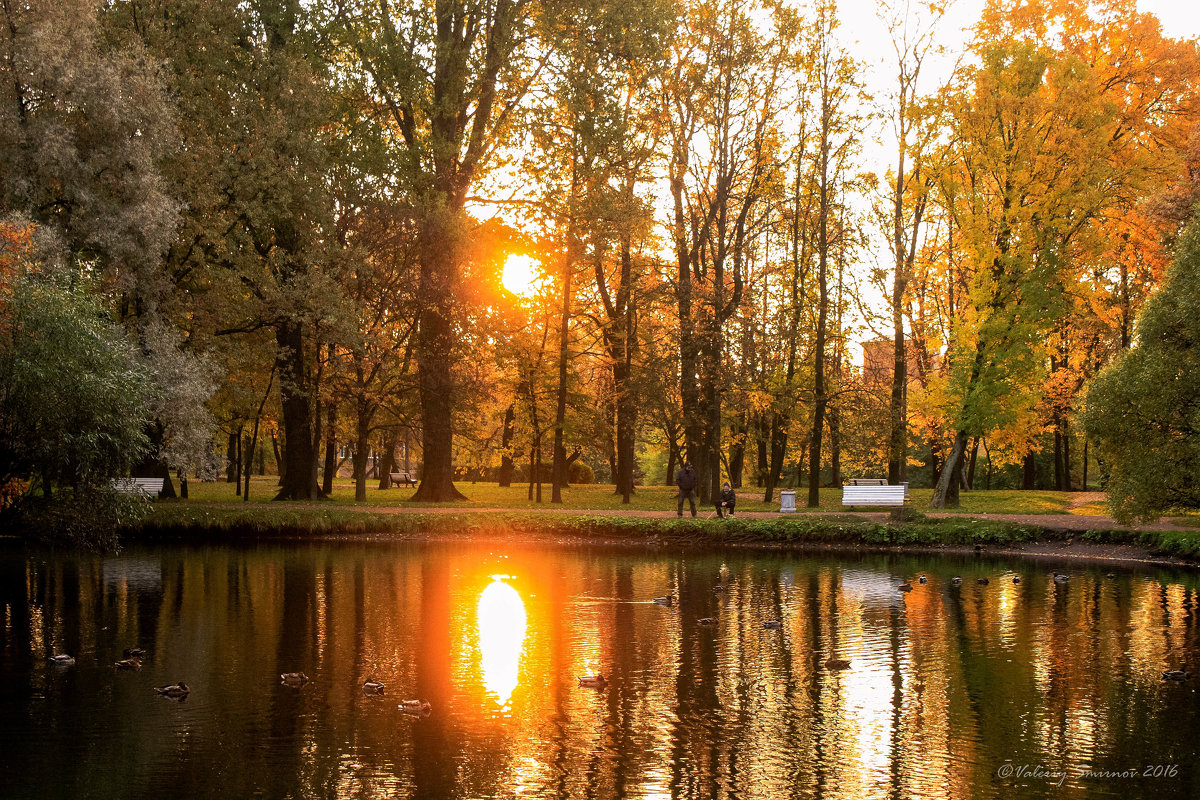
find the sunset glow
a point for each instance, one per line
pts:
(502, 622)
(521, 274)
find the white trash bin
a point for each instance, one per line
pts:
(787, 502)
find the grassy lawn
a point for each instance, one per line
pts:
(650, 498)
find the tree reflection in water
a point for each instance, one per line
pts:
(947, 684)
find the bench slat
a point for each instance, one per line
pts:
(147, 486)
(873, 495)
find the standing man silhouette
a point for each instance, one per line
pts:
(685, 479)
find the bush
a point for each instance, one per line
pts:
(1143, 410)
(88, 518)
(581, 473)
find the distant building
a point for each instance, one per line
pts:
(879, 359)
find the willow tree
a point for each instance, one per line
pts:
(448, 76)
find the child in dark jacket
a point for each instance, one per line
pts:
(726, 501)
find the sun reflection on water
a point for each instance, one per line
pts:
(502, 622)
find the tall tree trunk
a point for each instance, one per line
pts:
(331, 454)
(435, 346)
(970, 483)
(362, 448)
(820, 400)
(761, 464)
(389, 459)
(233, 467)
(1028, 471)
(835, 446)
(689, 389)
(737, 450)
(558, 472)
(1085, 464)
(297, 482)
(945, 492)
(506, 462)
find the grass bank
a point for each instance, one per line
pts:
(202, 522)
(652, 498)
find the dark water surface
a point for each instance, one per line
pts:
(1000, 690)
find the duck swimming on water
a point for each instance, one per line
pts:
(293, 678)
(129, 664)
(416, 708)
(62, 660)
(174, 690)
(372, 686)
(593, 681)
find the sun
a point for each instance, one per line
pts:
(521, 274)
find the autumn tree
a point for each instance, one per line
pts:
(836, 139)
(724, 97)
(1020, 195)
(449, 76)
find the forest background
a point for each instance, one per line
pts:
(549, 242)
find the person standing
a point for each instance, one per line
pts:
(685, 479)
(726, 501)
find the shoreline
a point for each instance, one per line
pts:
(952, 535)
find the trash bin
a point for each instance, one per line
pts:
(787, 502)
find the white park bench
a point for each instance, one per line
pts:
(403, 477)
(150, 487)
(874, 495)
(875, 482)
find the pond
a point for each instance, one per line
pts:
(1031, 689)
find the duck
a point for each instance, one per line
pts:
(956, 581)
(593, 681)
(772, 624)
(705, 621)
(129, 663)
(61, 660)
(837, 663)
(906, 587)
(134, 652)
(922, 579)
(1175, 675)
(1111, 575)
(416, 708)
(293, 678)
(179, 689)
(372, 686)
(663, 601)
(983, 581)
(1060, 578)
(1016, 579)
